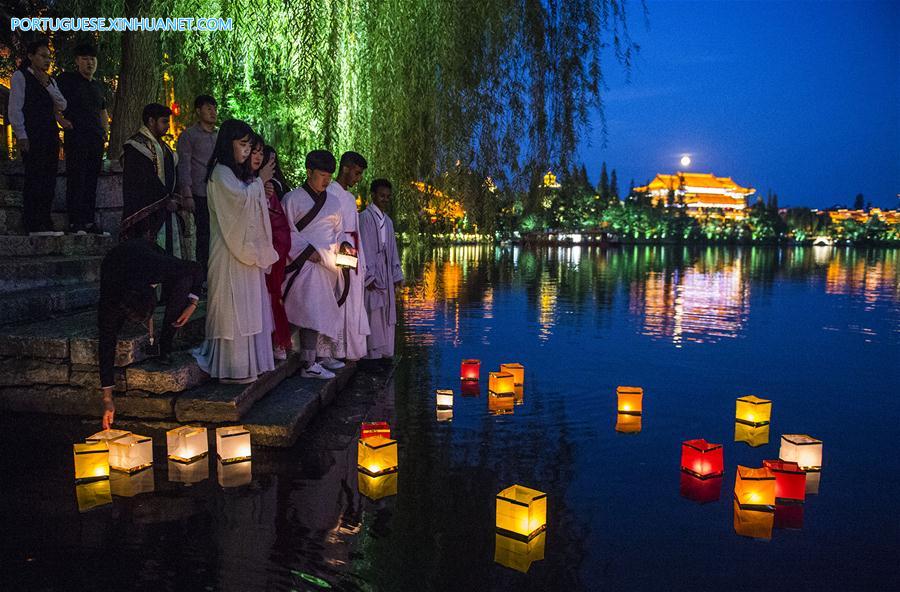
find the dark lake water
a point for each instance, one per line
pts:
(815, 330)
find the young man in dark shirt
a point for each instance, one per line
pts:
(84, 140)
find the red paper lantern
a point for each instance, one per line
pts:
(790, 480)
(470, 370)
(374, 428)
(699, 490)
(789, 516)
(702, 459)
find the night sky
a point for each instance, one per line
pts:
(802, 98)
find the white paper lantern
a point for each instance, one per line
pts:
(233, 444)
(131, 453)
(802, 449)
(187, 443)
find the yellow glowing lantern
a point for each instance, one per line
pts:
(630, 399)
(91, 461)
(754, 488)
(107, 436)
(444, 398)
(517, 371)
(234, 474)
(802, 449)
(131, 484)
(233, 444)
(187, 443)
(376, 487)
(628, 424)
(93, 495)
(501, 382)
(376, 455)
(753, 411)
(519, 394)
(517, 554)
(131, 453)
(444, 414)
(521, 512)
(753, 523)
(750, 435)
(501, 403)
(192, 472)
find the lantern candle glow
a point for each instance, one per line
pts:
(517, 371)
(753, 411)
(444, 398)
(91, 461)
(470, 370)
(521, 512)
(186, 444)
(802, 449)
(790, 480)
(755, 488)
(630, 399)
(377, 455)
(131, 453)
(501, 382)
(702, 459)
(375, 428)
(233, 444)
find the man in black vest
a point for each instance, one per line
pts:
(86, 111)
(34, 103)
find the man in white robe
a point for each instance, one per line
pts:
(383, 273)
(354, 323)
(311, 273)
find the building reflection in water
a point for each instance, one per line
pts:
(547, 294)
(517, 554)
(751, 435)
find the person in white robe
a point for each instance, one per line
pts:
(383, 272)
(238, 345)
(353, 323)
(311, 274)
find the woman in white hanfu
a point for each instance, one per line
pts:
(238, 345)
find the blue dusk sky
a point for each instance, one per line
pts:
(802, 98)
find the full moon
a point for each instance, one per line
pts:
(685, 161)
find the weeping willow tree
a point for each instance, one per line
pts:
(498, 88)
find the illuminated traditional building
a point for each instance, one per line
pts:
(550, 181)
(698, 192)
(862, 216)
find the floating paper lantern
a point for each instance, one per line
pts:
(630, 399)
(186, 444)
(107, 436)
(701, 458)
(469, 388)
(93, 495)
(377, 455)
(521, 512)
(192, 472)
(802, 449)
(790, 480)
(519, 394)
(131, 453)
(444, 414)
(754, 488)
(789, 516)
(470, 370)
(131, 484)
(444, 398)
(517, 554)
(517, 371)
(501, 403)
(501, 382)
(628, 424)
(753, 523)
(750, 435)
(813, 479)
(753, 411)
(376, 487)
(91, 461)
(233, 444)
(375, 428)
(700, 490)
(234, 474)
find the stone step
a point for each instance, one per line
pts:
(20, 273)
(73, 400)
(216, 402)
(24, 306)
(66, 245)
(152, 377)
(280, 416)
(10, 211)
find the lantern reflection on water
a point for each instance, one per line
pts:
(91, 461)
(517, 371)
(470, 370)
(802, 449)
(375, 428)
(521, 512)
(628, 424)
(789, 516)
(790, 480)
(753, 411)
(700, 490)
(630, 399)
(518, 554)
(132, 484)
(754, 488)
(93, 495)
(501, 403)
(131, 453)
(519, 394)
(750, 435)
(234, 474)
(376, 487)
(233, 444)
(187, 443)
(701, 458)
(753, 523)
(444, 414)
(813, 479)
(193, 472)
(376, 455)
(501, 383)
(444, 398)
(470, 388)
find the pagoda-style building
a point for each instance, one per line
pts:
(698, 191)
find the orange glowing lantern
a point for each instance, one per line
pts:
(376, 455)
(517, 371)
(702, 459)
(630, 399)
(517, 554)
(521, 512)
(753, 523)
(376, 487)
(470, 370)
(91, 461)
(753, 411)
(802, 449)
(374, 428)
(519, 394)
(752, 436)
(699, 490)
(627, 423)
(790, 480)
(501, 403)
(754, 488)
(501, 382)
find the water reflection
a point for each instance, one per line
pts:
(376, 487)
(753, 436)
(132, 484)
(188, 473)
(627, 423)
(753, 523)
(234, 474)
(93, 495)
(517, 554)
(702, 491)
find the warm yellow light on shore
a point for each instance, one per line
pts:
(521, 512)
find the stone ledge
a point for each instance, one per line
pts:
(69, 244)
(25, 371)
(153, 377)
